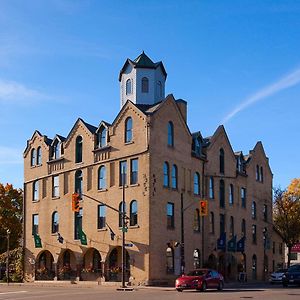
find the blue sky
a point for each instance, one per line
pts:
(235, 62)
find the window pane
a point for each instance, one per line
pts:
(55, 183)
(170, 134)
(174, 177)
(128, 130)
(133, 213)
(35, 190)
(134, 171)
(35, 224)
(78, 150)
(170, 215)
(102, 178)
(101, 216)
(166, 174)
(123, 173)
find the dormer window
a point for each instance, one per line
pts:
(128, 87)
(102, 137)
(39, 156)
(32, 157)
(145, 85)
(78, 149)
(196, 146)
(128, 130)
(239, 164)
(56, 149)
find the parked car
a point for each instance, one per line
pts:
(276, 277)
(292, 276)
(200, 279)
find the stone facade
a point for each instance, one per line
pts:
(169, 170)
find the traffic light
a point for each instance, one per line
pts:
(75, 202)
(203, 208)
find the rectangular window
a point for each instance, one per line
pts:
(78, 224)
(222, 223)
(36, 189)
(211, 188)
(243, 197)
(55, 186)
(230, 194)
(134, 167)
(101, 217)
(123, 173)
(254, 240)
(35, 224)
(170, 215)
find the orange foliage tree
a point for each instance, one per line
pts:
(11, 205)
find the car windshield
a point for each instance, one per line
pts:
(197, 273)
(294, 268)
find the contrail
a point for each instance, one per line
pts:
(282, 84)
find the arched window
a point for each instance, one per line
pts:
(257, 173)
(196, 225)
(253, 210)
(145, 85)
(128, 87)
(96, 262)
(55, 222)
(261, 174)
(39, 156)
(243, 228)
(197, 183)
(36, 190)
(78, 150)
(170, 260)
(254, 238)
(78, 182)
(222, 161)
(166, 174)
(56, 149)
(133, 213)
(33, 157)
(170, 134)
(254, 267)
(174, 177)
(211, 188)
(197, 259)
(231, 227)
(212, 222)
(128, 130)
(222, 193)
(159, 89)
(121, 211)
(231, 193)
(101, 178)
(102, 137)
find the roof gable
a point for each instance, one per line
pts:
(47, 142)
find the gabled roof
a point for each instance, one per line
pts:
(46, 140)
(142, 61)
(103, 123)
(59, 137)
(148, 109)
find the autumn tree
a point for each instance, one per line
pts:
(11, 204)
(287, 214)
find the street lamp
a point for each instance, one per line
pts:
(7, 259)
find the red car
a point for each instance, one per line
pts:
(200, 279)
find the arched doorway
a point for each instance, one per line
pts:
(211, 262)
(92, 265)
(44, 269)
(114, 265)
(66, 266)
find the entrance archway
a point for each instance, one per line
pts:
(44, 268)
(67, 265)
(92, 265)
(114, 265)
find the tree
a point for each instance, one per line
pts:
(11, 204)
(287, 214)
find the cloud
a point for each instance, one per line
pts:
(10, 155)
(287, 81)
(11, 91)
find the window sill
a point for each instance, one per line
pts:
(79, 163)
(54, 160)
(129, 143)
(121, 186)
(197, 231)
(174, 189)
(102, 229)
(134, 184)
(35, 201)
(54, 234)
(134, 226)
(171, 228)
(197, 195)
(102, 190)
(55, 197)
(166, 187)
(171, 146)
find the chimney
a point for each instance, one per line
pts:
(182, 105)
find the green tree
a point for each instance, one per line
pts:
(11, 204)
(287, 214)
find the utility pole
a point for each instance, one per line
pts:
(7, 260)
(182, 236)
(123, 230)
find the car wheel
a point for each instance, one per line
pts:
(179, 290)
(221, 285)
(203, 287)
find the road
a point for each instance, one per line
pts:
(25, 292)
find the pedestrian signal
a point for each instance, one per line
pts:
(75, 202)
(203, 208)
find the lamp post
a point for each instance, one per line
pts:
(7, 259)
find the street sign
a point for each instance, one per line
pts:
(128, 245)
